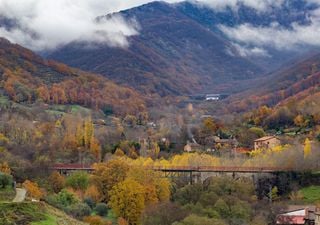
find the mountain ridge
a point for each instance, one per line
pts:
(172, 55)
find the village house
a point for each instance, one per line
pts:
(266, 142)
(298, 215)
(225, 143)
(192, 147)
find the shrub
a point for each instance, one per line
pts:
(78, 181)
(97, 220)
(67, 198)
(101, 209)
(5, 180)
(56, 182)
(89, 201)
(93, 220)
(198, 220)
(63, 199)
(79, 210)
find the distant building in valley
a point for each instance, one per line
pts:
(213, 97)
(266, 142)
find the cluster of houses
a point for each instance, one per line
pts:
(299, 215)
(267, 142)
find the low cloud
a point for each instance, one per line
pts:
(260, 5)
(47, 24)
(275, 35)
(247, 51)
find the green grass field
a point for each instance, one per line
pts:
(311, 194)
(33, 213)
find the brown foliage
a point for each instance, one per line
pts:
(33, 189)
(56, 181)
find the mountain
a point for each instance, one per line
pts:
(26, 78)
(296, 85)
(172, 55)
(181, 48)
(291, 11)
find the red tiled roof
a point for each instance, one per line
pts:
(285, 219)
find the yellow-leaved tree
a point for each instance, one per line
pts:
(107, 175)
(4, 168)
(85, 140)
(307, 148)
(127, 201)
(156, 188)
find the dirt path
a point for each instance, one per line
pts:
(20, 195)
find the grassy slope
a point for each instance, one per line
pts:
(57, 217)
(311, 194)
(34, 214)
(7, 195)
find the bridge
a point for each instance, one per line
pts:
(65, 169)
(202, 173)
(192, 173)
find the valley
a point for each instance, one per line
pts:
(190, 121)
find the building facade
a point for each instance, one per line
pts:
(266, 142)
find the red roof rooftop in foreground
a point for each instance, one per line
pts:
(295, 220)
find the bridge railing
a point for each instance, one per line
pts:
(220, 168)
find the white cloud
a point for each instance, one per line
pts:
(275, 35)
(260, 5)
(47, 24)
(246, 51)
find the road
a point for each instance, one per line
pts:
(20, 195)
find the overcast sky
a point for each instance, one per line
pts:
(47, 24)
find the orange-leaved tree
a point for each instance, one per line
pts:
(33, 189)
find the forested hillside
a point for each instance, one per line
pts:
(172, 55)
(289, 97)
(295, 83)
(27, 78)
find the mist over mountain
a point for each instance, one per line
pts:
(190, 47)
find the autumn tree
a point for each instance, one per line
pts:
(86, 142)
(119, 152)
(127, 201)
(4, 168)
(300, 121)
(56, 181)
(107, 175)
(93, 193)
(122, 221)
(307, 148)
(155, 150)
(95, 220)
(156, 189)
(33, 189)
